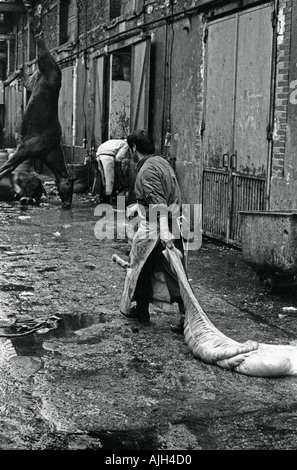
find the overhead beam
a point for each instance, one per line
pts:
(6, 37)
(11, 7)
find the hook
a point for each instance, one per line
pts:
(226, 160)
(233, 160)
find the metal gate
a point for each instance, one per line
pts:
(224, 195)
(237, 120)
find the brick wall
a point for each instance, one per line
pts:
(282, 86)
(200, 93)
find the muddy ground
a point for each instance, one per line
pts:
(102, 382)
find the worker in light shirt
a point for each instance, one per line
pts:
(113, 167)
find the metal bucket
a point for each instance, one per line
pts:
(269, 240)
(269, 245)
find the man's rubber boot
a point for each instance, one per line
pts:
(179, 327)
(140, 314)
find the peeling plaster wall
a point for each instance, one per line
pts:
(283, 193)
(176, 89)
(185, 58)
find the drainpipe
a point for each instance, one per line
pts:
(74, 109)
(272, 103)
(164, 89)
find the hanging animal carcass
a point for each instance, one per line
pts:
(41, 129)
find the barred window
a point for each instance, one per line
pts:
(67, 21)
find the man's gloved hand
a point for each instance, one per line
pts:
(130, 211)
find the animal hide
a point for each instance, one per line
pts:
(207, 343)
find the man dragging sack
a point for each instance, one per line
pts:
(157, 192)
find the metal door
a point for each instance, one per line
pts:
(237, 119)
(253, 90)
(220, 79)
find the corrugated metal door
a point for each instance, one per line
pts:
(253, 85)
(237, 118)
(220, 78)
(218, 135)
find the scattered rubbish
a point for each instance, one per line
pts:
(47, 269)
(16, 287)
(24, 367)
(57, 234)
(27, 326)
(5, 323)
(5, 247)
(53, 192)
(26, 294)
(120, 261)
(42, 331)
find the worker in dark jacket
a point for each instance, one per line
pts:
(156, 187)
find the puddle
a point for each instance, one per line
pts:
(32, 345)
(15, 287)
(140, 439)
(46, 222)
(50, 222)
(75, 321)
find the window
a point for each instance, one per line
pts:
(67, 20)
(121, 8)
(115, 7)
(128, 7)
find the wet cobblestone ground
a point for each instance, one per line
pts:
(102, 382)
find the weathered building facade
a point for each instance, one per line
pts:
(215, 82)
